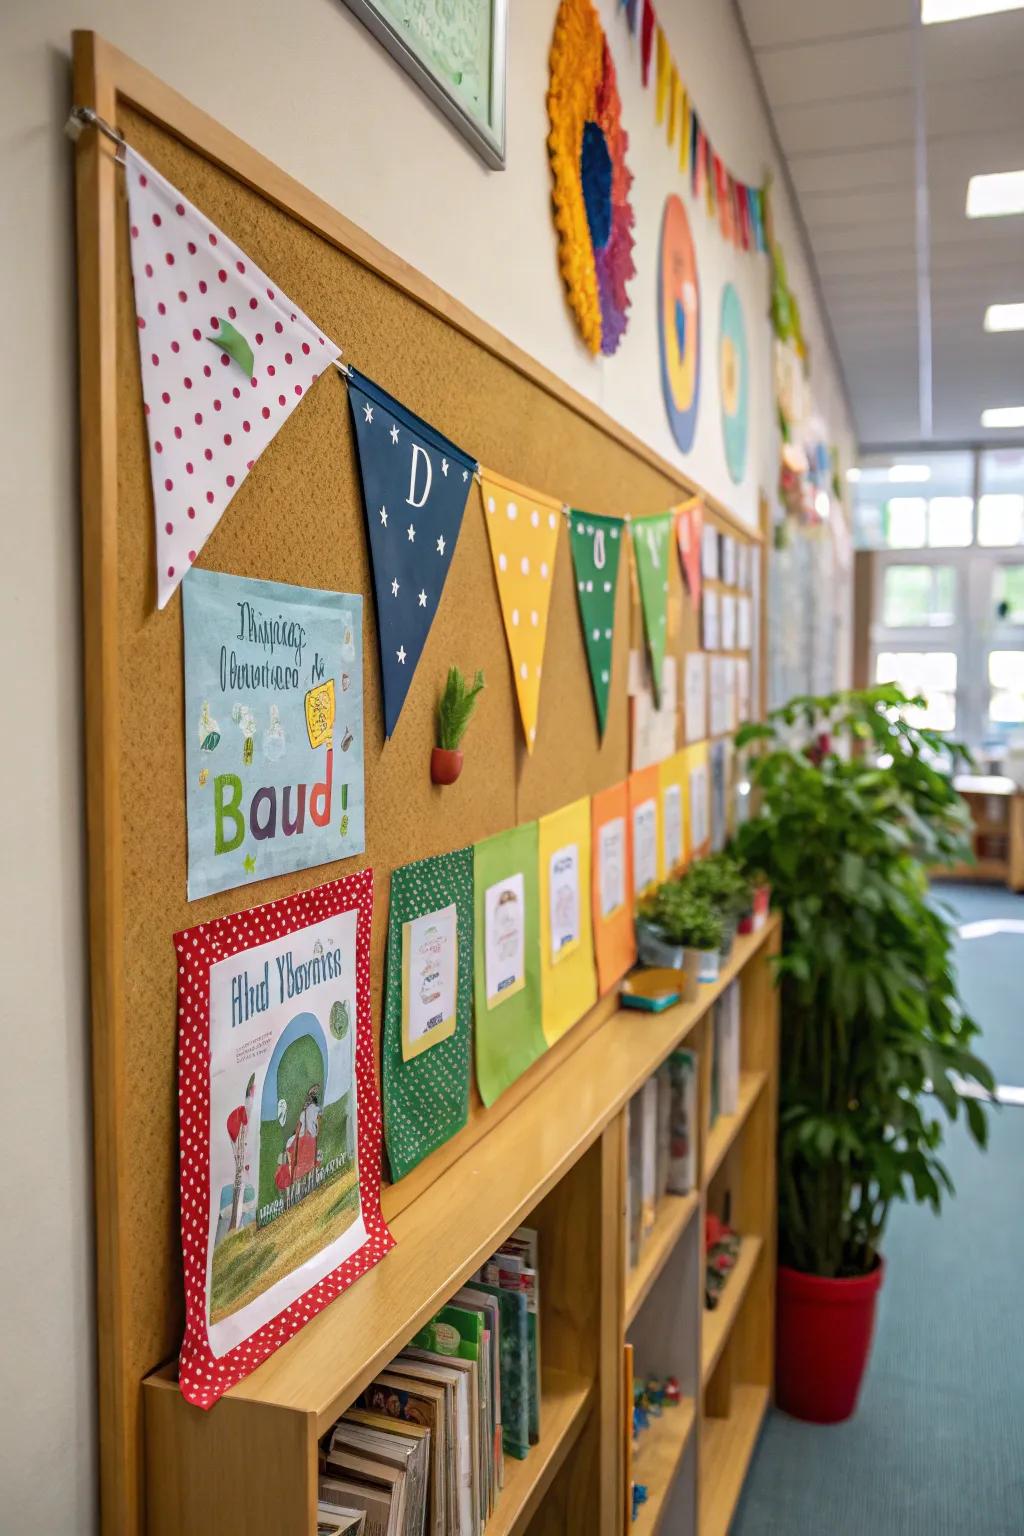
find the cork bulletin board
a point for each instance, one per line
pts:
(298, 519)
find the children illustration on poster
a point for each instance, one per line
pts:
(274, 729)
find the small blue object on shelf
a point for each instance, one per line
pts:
(639, 1497)
(651, 988)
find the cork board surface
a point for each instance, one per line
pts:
(298, 518)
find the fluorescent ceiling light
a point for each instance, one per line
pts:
(909, 474)
(933, 11)
(1004, 317)
(995, 196)
(1003, 416)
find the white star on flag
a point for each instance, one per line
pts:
(394, 433)
(394, 587)
(465, 474)
(444, 466)
(411, 531)
(440, 545)
(368, 411)
(400, 653)
(384, 516)
(423, 599)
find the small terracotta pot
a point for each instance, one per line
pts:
(445, 766)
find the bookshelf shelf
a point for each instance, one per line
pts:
(716, 1326)
(657, 1462)
(727, 1445)
(727, 1127)
(673, 1216)
(565, 1402)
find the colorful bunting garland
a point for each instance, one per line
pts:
(225, 357)
(737, 206)
(415, 487)
(651, 537)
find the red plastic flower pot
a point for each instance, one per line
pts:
(823, 1332)
(445, 766)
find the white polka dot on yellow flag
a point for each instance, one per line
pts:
(522, 527)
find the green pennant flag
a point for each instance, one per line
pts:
(651, 539)
(596, 543)
(428, 1006)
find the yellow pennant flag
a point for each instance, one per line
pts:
(568, 981)
(674, 92)
(661, 75)
(684, 132)
(522, 528)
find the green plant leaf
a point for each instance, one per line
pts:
(234, 344)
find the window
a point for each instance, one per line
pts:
(1006, 688)
(950, 522)
(1008, 593)
(904, 522)
(1000, 519)
(931, 673)
(919, 596)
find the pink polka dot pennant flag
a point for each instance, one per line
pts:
(279, 1125)
(226, 357)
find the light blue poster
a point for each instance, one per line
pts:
(273, 729)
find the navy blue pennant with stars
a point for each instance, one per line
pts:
(415, 487)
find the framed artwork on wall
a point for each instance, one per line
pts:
(455, 50)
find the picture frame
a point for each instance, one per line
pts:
(481, 122)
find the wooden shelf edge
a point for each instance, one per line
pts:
(474, 1204)
(717, 1325)
(727, 1446)
(727, 1127)
(657, 1460)
(673, 1216)
(565, 1402)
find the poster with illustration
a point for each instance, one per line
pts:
(567, 977)
(506, 982)
(674, 795)
(279, 1125)
(700, 810)
(273, 728)
(428, 1006)
(718, 796)
(611, 885)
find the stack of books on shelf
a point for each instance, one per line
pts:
(422, 1450)
(662, 1120)
(725, 1053)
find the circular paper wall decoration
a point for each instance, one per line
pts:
(679, 323)
(587, 145)
(733, 382)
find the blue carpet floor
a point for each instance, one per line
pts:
(937, 1444)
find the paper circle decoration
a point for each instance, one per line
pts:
(587, 145)
(733, 382)
(679, 323)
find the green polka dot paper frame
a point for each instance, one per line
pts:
(426, 1097)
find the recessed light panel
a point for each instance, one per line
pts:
(995, 196)
(1004, 317)
(1003, 416)
(933, 11)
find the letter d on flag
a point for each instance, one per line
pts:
(415, 486)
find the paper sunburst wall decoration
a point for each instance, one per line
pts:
(587, 144)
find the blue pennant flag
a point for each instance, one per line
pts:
(415, 487)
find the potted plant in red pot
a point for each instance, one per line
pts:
(454, 711)
(872, 1025)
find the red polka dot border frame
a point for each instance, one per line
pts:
(203, 1376)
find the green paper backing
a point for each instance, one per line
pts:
(426, 1100)
(597, 608)
(509, 1038)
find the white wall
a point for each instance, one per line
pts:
(306, 85)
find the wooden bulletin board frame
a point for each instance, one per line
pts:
(576, 449)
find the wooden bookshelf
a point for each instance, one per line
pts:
(658, 1461)
(996, 805)
(727, 1444)
(249, 1466)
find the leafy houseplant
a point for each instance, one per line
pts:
(871, 1018)
(720, 879)
(688, 922)
(454, 711)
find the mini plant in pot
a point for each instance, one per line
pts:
(687, 922)
(874, 1037)
(454, 711)
(720, 879)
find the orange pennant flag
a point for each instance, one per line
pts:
(522, 527)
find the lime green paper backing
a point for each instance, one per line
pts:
(509, 1038)
(426, 1100)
